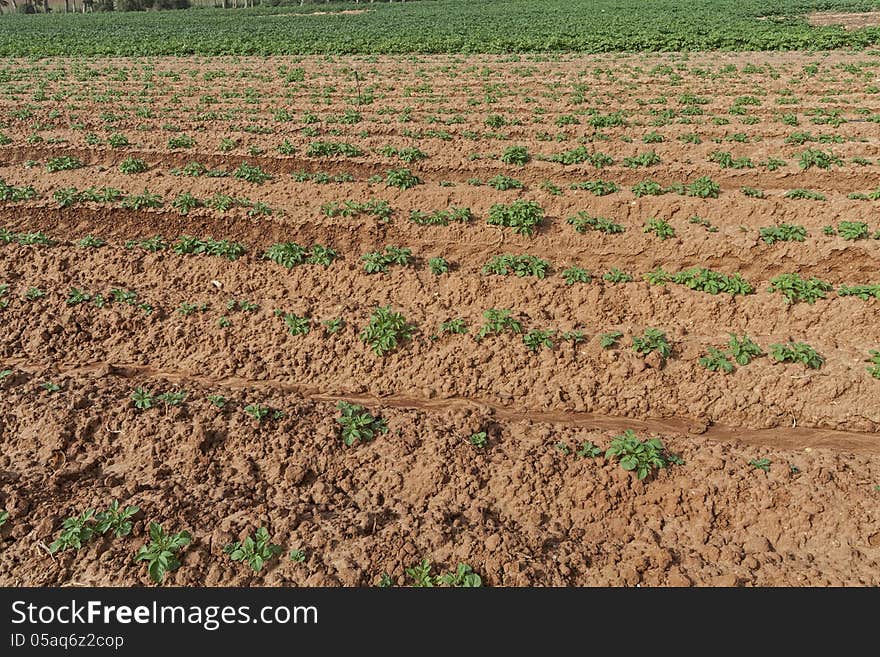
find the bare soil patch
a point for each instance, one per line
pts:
(848, 20)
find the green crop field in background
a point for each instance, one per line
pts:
(438, 26)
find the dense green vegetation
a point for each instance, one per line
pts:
(432, 26)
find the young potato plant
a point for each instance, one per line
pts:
(498, 321)
(818, 158)
(702, 279)
(705, 223)
(874, 367)
(296, 325)
(463, 577)
(456, 326)
(251, 174)
(502, 183)
(804, 194)
(186, 202)
(132, 165)
(596, 187)
(152, 244)
(576, 274)
(63, 163)
(580, 155)
(797, 352)
(161, 552)
(189, 245)
(187, 309)
(783, 233)
(610, 339)
(647, 159)
(660, 227)
(76, 531)
(743, 349)
(853, 230)
(652, 340)
(25, 239)
(386, 331)
(438, 266)
(408, 155)
(536, 339)
(761, 464)
(67, 196)
(588, 450)
(254, 550)
(358, 425)
(116, 519)
(378, 262)
(291, 254)
(583, 222)
(333, 149)
(795, 289)
(13, 193)
(863, 292)
(521, 215)
(641, 457)
(716, 361)
(258, 412)
(140, 201)
(441, 217)
(521, 265)
(333, 325)
(378, 209)
(516, 155)
(703, 187)
(616, 275)
(401, 178)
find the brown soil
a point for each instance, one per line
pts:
(525, 510)
(847, 20)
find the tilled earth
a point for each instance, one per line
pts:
(526, 509)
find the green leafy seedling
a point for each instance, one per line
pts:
(463, 577)
(386, 331)
(760, 464)
(588, 450)
(743, 349)
(716, 360)
(161, 552)
(358, 425)
(479, 439)
(797, 352)
(116, 519)
(610, 339)
(254, 550)
(258, 412)
(76, 531)
(634, 455)
(652, 340)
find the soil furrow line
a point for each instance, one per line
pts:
(794, 438)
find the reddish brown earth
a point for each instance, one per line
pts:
(525, 510)
(850, 21)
